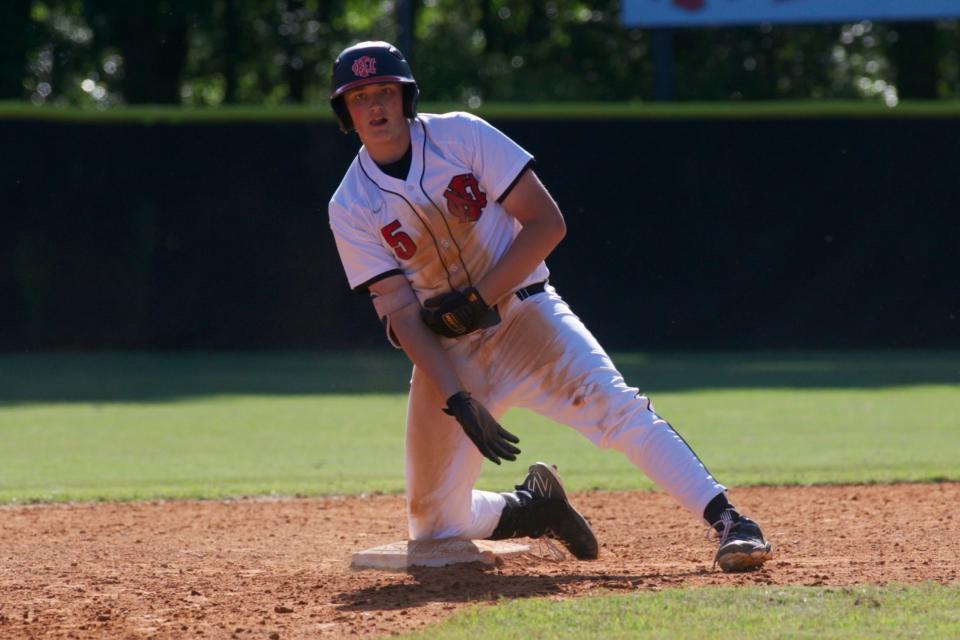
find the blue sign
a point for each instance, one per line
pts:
(696, 13)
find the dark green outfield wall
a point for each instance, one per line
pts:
(682, 233)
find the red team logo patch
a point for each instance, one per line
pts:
(364, 66)
(464, 198)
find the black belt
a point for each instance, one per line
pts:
(532, 290)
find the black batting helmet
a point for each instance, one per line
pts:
(368, 63)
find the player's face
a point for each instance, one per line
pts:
(377, 113)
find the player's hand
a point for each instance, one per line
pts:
(493, 441)
(458, 313)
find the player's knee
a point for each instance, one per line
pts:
(430, 523)
(436, 531)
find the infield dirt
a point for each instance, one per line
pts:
(281, 568)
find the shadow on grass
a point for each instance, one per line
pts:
(139, 376)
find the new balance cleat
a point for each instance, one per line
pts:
(539, 507)
(564, 522)
(742, 545)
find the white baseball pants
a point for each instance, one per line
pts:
(541, 357)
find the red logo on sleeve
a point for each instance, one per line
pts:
(464, 198)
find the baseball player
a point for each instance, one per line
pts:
(443, 221)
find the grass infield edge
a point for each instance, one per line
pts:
(320, 113)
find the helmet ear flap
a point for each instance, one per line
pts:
(342, 113)
(410, 96)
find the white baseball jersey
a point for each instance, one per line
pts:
(443, 227)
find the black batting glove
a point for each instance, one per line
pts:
(492, 440)
(456, 313)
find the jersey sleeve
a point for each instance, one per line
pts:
(365, 259)
(498, 161)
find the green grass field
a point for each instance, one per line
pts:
(805, 109)
(121, 426)
(133, 426)
(927, 611)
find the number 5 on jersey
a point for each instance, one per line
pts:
(402, 243)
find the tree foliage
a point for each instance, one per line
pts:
(211, 52)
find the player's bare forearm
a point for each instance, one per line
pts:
(424, 350)
(532, 245)
(396, 303)
(542, 230)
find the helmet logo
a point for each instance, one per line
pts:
(464, 198)
(364, 66)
